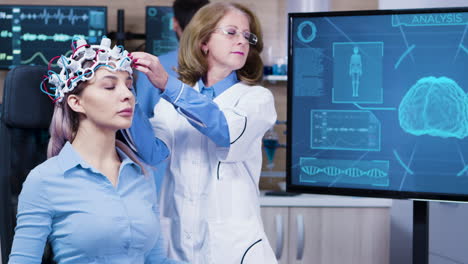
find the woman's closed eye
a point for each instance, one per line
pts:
(113, 87)
(108, 84)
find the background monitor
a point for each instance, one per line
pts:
(35, 34)
(377, 103)
(160, 38)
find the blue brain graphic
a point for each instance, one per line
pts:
(436, 107)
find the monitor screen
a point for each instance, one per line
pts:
(160, 38)
(377, 103)
(34, 34)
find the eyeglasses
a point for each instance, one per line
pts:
(230, 32)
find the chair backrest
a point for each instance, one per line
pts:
(24, 122)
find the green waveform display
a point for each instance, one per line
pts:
(60, 16)
(58, 37)
(33, 34)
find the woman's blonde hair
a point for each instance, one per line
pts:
(193, 64)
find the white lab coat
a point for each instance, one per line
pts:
(210, 197)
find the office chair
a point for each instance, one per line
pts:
(25, 118)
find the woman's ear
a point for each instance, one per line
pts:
(204, 48)
(74, 102)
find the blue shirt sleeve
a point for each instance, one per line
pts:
(141, 138)
(34, 221)
(200, 111)
(147, 95)
(169, 62)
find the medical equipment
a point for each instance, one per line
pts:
(76, 68)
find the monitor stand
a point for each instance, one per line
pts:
(420, 232)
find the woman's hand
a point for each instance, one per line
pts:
(151, 67)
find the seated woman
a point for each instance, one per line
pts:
(93, 200)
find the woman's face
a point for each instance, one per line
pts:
(227, 47)
(107, 100)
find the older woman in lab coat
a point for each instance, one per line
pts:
(213, 120)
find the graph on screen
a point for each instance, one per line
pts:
(35, 34)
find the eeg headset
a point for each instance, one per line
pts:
(72, 71)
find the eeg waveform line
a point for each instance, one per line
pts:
(60, 16)
(42, 58)
(56, 37)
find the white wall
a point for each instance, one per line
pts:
(448, 233)
(307, 5)
(402, 4)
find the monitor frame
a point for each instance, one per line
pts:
(393, 194)
(105, 8)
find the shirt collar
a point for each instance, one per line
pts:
(126, 160)
(222, 85)
(70, 159)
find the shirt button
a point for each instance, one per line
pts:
(126, 245)
(188, 236)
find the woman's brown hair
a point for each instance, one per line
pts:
(192, 62)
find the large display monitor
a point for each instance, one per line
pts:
(377, 103)
(34, 34)
(160, 37)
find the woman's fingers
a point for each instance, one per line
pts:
(141, 68)
(151, 67)
(146, 60)
(144, 56)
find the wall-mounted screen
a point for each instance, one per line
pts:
(160, 37)
(377, 103)
(34, 34)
